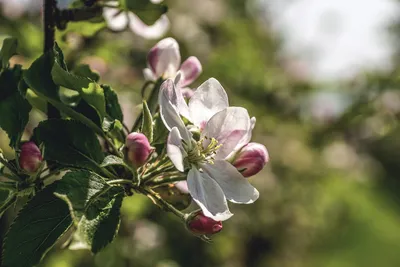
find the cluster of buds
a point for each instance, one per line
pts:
(30, 158)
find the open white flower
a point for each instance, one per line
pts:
(212, 180)
(164, 60)
(118, 20)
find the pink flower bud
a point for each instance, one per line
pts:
(138, 147)
(203, 225)
(251, 159)
(164, 58)
(30, 157)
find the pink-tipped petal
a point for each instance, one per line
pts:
(164, 58)
(191, 69)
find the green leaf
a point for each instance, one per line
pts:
(38, 76)
(85, 71)
(13, 106)
(114, 129)
(160, 131)
(113, 107)
(112, 160)
(70, 143)
(144, 9)
(66, 79)
(101, 221)
(39, 79)
(8, 49)
(78, 188)
(94, 96)
(34, 231)
(91, 92)
(147, 122)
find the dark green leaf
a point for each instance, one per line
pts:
(101, 221)
(147, 122)
(78, 188)
(113, 107)
(144, 9)
(38, 77)
(66, 79)
(8, 49)
(13, 106)
(70, 143)
(85, 71)
(35, 230)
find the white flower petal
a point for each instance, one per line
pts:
(155, 31)
(229, 127)
(175, 149)
(156, 1)
(116, 19)
(208, 195)
(207, 100)
(246, 137)
(149, 75)
(237, 189)
(165, 58)
(168, 111)
(191, 69)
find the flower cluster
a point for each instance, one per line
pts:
(208, 139)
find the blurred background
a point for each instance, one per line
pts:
(323, 79)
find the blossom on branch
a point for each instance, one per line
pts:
(223, 131)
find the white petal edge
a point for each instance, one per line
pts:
(115, 19)
(236, 188)
(229, 127)
(168, 111)
(209, 98)
(175, 149)
(208, 195)
(155, 31)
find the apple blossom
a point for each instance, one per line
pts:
(118, 20)
(164, 61)
(138, 149)
(212, 180)
(30, 157)
(251, 159)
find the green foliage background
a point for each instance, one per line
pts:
(330, 194)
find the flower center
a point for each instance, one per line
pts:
(203, 151)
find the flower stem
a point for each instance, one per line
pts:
(5, 185)
(163, 204)
(164, 181)
(121, 181)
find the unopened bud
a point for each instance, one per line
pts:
(138, 148)
(30, 157)
(251, 159)
(202, 225)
